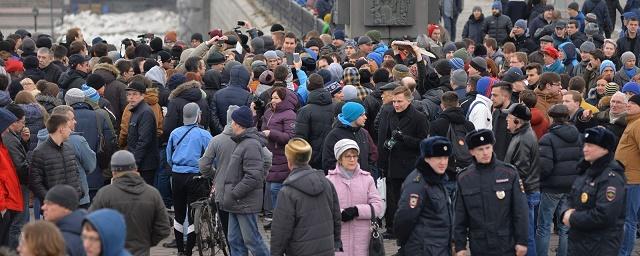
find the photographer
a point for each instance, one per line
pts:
(401, 129)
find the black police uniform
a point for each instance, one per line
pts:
(598, 197)
(423, 222)
(491, 210)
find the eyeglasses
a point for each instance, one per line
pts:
(350, 156)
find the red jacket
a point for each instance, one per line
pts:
(539, 122)
(10, 193)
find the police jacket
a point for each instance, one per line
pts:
(491, 209)
(598, 197)
(425, 214)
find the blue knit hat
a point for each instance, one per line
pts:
(351, 111)
(607, 63)
(7, 118)
(243, 117)
(375, 57)
(90, 93)
(456, 63)
(632, 87)
(483, 85)
(435, 146)
(497, 5)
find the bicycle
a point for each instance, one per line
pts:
(210, 238)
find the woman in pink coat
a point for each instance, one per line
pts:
(356, 191)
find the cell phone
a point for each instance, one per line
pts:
(241, 23)
(296, 57)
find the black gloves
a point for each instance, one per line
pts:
(349, 214)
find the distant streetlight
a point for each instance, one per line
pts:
(35, 13)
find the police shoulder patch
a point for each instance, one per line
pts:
(610, 193)
(413, 200)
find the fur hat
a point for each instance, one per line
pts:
(435, 146)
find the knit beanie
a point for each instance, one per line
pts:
(626, 56)
(63, 195)
(400, 71)
(449, 47)
(459, 78)
(456, 63)
(95, 81)
(267, 77)
(375, 35)
(6, 118)
(90, 93)
(343, 145)
(351, 76)
(462, 54)
(587, 47)
(243, 117)
(73, 96)
(269, 55)
(443, 67)
(431, 28)
(607, 64)
(611, 88)
(635, 99)
(479, 64)
(349, 92)
(333, 88)
(483, 85)
(521, 24)
(375, 57)
(632, 87)
(351, 111)
(497, 5)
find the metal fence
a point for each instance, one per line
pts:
(295, 17)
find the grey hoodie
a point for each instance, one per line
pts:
(156, 74)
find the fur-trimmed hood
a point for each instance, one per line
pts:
(107, 71)
(189, 90)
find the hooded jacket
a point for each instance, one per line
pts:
(143, 209)
(114, 90)
(313, 123)
(34, 117)
(473, 28)
(539, 122)
(151, 98)
(18, 153)
(185, 93)
(11, 192)
(211, 86)
(307, 219)
(523, 154)
(560, 152)
(281, 123)
(440, 127)
(236, 93)
(157, 76)
(71, 227)
(368, 150)
(48, 102)
(112, 229)
(5, 98)
(244, 176)
(72, 79)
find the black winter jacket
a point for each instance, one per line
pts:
(440, 127)
(538, 23)
(181, 96)
(523, 44)
(560, 152)
(523, 154)
(17, 151)
(313, 123)
(211, 86)
(141, 137)
(72, 79)
(52, 165)
(114, 91)
(52, 73)
(473, 29)
(498, 27)
(399, 161)
(234, 94)
(626, 44)
(599, 8)
(307, 220)
(503, 137)
(372, 105)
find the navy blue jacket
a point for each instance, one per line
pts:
(141, 139)
(599, 8)
(560, 151)
(473, 29)
(234, 94)
(71, 228)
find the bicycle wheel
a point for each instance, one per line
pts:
(218, 234)
(204, 238)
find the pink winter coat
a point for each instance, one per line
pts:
(359, 191)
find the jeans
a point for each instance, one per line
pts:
(631, 219)
(19, 219)
(37, 208)
(450, 25)
(163, 179)
(244, 235)
(550, 204)
(533, 200)
(275, 188)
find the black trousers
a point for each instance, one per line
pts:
(393, 196)
(149, 176)
(5, 225)
(181, 186)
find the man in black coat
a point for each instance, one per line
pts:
(78, 71)
(595, 208)
(313, 121)
(142, 140)
(560, 152)
(401, 129)
(498, 25)
(489, 190)
(425, 211)
(519, 37)
(501, 98)
(575, 35)
(51, 72)
(185, 93)
(630, 41)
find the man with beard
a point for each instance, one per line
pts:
(501, 98)
(497, 25)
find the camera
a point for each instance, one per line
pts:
(259, 105)
(241, 23)
(396, 136)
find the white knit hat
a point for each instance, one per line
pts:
(344, 145)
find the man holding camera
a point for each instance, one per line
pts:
(401, 129)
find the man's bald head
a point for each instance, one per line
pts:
(409, 82)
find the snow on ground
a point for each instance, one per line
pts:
(114, 27)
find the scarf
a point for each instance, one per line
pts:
(631, 72)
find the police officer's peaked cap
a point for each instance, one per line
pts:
(479, 138)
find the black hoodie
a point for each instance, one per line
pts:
(313, 122)
(212, 83)
(440, 126)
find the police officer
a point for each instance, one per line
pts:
(425, 212)
(595, 208)
(491, 207)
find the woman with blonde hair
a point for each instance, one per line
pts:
(41, 238)
(35, 115)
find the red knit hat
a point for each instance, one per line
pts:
(552, 52)
(170, 36)
(431, 28)
(13, 65)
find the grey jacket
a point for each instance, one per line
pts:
(307, 220)
(141, 204)
(243, 179)
(18, 154)
(523, 154)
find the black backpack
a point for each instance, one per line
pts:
(460, 156)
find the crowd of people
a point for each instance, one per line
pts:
(528, 124)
